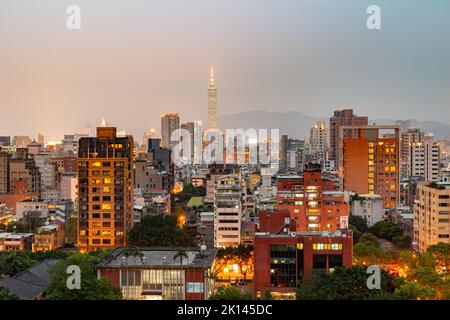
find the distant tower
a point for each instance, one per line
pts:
(41, 138)
(169, 123)
(212, 102)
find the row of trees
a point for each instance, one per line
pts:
(160, 231)
(385, 229)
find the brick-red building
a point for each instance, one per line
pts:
(307, 233)
(313, 200)
(281, 260)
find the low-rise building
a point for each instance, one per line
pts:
(160, 273)
(49, 237)
(10, 241)
(369, 207)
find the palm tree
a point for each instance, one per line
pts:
(180, 254)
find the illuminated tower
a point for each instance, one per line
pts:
(105, 190)
(212, 101)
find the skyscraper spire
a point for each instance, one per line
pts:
(212, 101)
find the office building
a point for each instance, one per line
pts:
(283, 256)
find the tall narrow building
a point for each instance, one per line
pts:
(169, 123)
(370, 161)
(105, 190)
(212, 101)
(340, 118)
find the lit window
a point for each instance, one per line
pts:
(96, 164)
(106, 206)
(107, 181)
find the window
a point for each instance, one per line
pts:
(194, 287)
(283, 266)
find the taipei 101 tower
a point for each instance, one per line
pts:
(212, 102)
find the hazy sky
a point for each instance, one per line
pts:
(133, 60)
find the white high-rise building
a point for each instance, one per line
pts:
(212, 101)
(227, 211)
(318, 138)
(424, 160)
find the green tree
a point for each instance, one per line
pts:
(386, 230)
(91, 288)
(16, 226)
(5, 294)
(359, 222)
(72, 230)
(344, 284)
(370, 239)
(12, 263)
(243, 256)
(414, 291)
(441, 255)
(32, 220)
(402, 241)
(229, 293)
(365, 253)
(160, 231)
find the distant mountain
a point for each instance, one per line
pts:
(297, 124)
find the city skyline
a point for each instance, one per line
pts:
(154, 57)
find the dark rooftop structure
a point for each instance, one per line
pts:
(158, 257)
(30, 284)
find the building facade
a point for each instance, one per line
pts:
(227, 211)
(169, 123)
(340, 118)
(160, 274)
(432, 215)
(370, 162)
(105, 190)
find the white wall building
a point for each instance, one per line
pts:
(370, 207)
(424, 160)
(227, 211)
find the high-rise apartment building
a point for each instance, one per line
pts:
(318, 138)
(169, 123)
(432, 215)
(4, 172)
(408, 138)
(340, 118)
(105, 190)
(370, 161)
(423, 160)
(212, 101)
(227, 211)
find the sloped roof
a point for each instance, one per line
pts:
(30, 283)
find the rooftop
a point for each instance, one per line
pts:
(159, 257)
(336, 234)
(30, 283)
